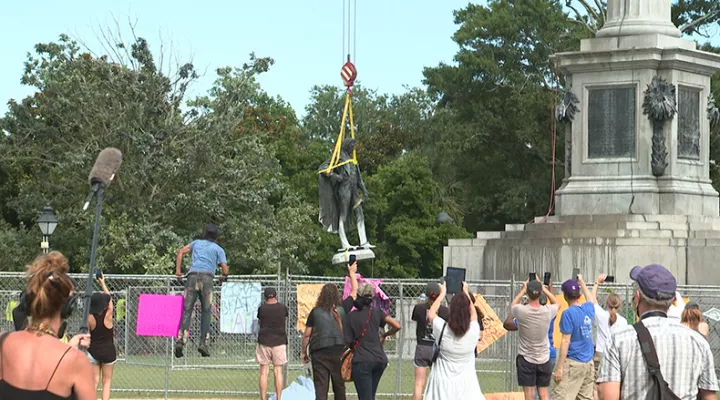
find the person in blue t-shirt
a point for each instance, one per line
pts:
(206, 256)
(575, 371)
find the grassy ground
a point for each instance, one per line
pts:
(147, 381)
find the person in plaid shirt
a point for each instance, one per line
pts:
(686, 361)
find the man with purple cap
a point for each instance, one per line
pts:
(575, 371)
(684, 356)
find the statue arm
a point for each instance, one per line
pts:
(336, 178)
(361, 186)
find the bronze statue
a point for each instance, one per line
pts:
(338, 192)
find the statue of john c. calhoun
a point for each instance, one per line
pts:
(338, 194)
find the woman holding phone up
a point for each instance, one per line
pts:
(453, 373)
(102, 352)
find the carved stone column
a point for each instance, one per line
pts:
(638, 17)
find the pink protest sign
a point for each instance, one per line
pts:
(159, 315)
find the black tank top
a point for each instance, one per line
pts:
(10, 392)
(102, 340)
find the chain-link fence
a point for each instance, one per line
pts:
(146, 366)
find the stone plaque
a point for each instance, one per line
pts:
(688, 123)
(611, 122)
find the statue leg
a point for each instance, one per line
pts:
(343, 236)
(360, 217)
(344, 197)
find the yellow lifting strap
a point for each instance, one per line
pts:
(335, 159)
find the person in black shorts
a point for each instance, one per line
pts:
(102, 338)
(425, 338)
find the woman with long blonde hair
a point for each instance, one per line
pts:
(34, 364)
(693, 319)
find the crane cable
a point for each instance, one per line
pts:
(348, 73)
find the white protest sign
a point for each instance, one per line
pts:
(238, 306)
(713, 314)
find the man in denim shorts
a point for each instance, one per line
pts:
(206, 256)
(425, 339)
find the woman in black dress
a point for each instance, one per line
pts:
(102, 338)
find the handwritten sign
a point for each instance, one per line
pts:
(238, 306)
(713, 314)
(493, 325)
(159, 315)
(557, 335)
(307, 295)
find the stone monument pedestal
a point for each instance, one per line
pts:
(612, 150)
(637, 186)
(689, 246)
(343, 257)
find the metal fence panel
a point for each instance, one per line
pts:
(147, 367)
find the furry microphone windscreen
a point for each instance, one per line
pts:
(106, 165)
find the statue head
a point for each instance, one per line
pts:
(348, 145)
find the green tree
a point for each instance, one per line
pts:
(498, 98)
(401, 215)
(180, 170)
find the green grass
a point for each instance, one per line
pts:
(149, 381)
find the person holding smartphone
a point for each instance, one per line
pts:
(453, 375)
(424, 335)
(607, 320)
(534, 368)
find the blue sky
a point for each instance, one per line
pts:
(395, 38)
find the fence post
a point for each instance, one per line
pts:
(509, 357)
(283, 291)
(168, 356)
(127, 324)
(400, 346)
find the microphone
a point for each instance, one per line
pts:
(103, 172)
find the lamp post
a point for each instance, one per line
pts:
(47, 222)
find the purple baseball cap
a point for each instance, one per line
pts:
(571, 286)
(655, 281)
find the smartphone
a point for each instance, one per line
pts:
(352, 259)
(98, 273)
(532, 276)
(610, 279)
(546, 279)
(454, 277)
(576, 272)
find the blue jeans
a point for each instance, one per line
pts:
(198, 285)
(366, 376)
(537, 394)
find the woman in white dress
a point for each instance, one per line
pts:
(453, 373)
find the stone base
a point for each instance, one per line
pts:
(689, 246)
(360, 254)
(636, 195)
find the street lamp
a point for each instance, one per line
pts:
(47, 222)
(444, 217)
